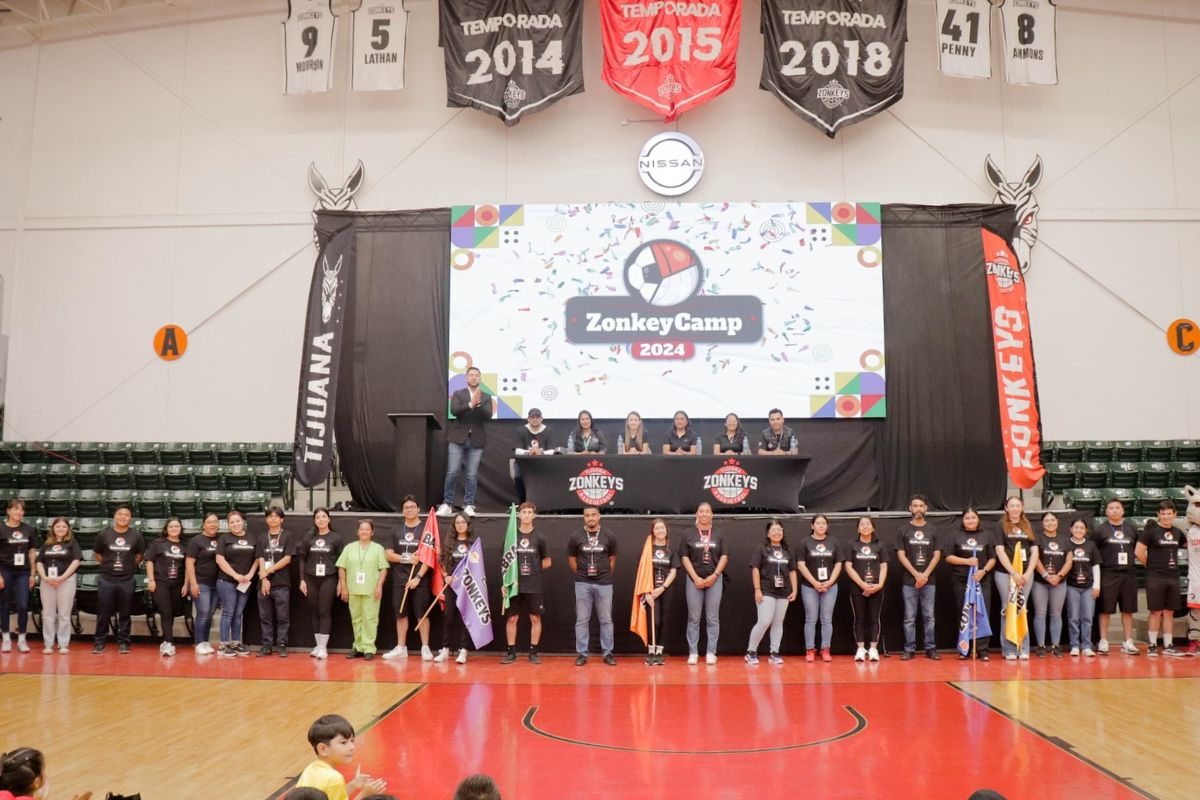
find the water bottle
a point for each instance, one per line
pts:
(699, 446)
(620, 443)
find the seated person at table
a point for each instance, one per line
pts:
(734, 439)
(777, 439)
(585, 438)
(533, 440)
(681, 439)
(633, 436)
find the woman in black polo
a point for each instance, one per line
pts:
(666, 567)
(16, 573)
(733, 439)
(681, 440)
(57, 560)
(773, 573)
(633, 436)
(586, 438)
(236, 558)
(166, 578)
(319, 576)
(1049, 595)
(1014, 534)
(454, 550)
(201, 566)
(704, 557)
(972, 547)
(866, 564)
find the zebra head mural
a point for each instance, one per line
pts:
(1020, 195)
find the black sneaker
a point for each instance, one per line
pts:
(509, 657)
(1056, 651)
(580, 661)
(1040, 651)
(368, 656)
(932, 655)
(534, 658)
(240, 649)
(650, 659)
(123, 649)
(1152, 651)
(97, 649)
(1169, 650)
(907, 655)
(265, 650)
(610, 660)
(984, 657)
(281, 651)
(354, 654)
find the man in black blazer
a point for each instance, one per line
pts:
(472, 408)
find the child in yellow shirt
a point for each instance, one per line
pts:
(332, 739)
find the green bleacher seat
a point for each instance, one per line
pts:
(85, 452)
(89, 476)
(1083, 500)
(200, 453)
(193, 526)
(230, 453)
(1124, 474)
(1129, 451)
(8, 476)
(182, 503)
(1148, 500)
(146, 476)
(31, 452)
(177, 477)
(1099, 450)
(1185, 473)
(259, 454)
(59, 503)
(1047, 452)
(40, 525)
(1187, 450)
(117, 477)
(31, 476)
(250, 502)
(1179, 498)
(60, 476)
(1155, 474)
(216, 502)
(272, 479)
(284, 453)
(143, 453)
(152, 527)
(1093, 475)
(241, 479)
(208, 478)
(153, 503)
(1158, 450)
(32, 498)
(115, 498)
(1123, 494)
(10, 452)
(173, 453)
(90, 503)
(114, 452)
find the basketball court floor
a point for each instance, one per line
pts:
(1114, 727)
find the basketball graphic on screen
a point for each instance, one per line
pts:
(663, 272)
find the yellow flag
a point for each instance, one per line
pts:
(1016, 621)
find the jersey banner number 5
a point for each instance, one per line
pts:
(670, 55)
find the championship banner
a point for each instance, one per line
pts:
(1016, 381)
(509, 58)
(657, 307)
(470, 588)
(323, 335)
(670, 55)
(835, 62)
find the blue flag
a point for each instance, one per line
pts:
(470, 586)
(973, 622)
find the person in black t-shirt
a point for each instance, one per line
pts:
(454, 549)
(586, 438)
(819, 562)
(867, 566)
(166, 578)
(1049, 594)
(16, 573)
(274, 550)
(918, 552)
(1117, 539)
(773, 574)
(733, 439)
(665, 562)
(632, 440)
(201, 566)
(57, 560)
(972, 547)
(592, 556)
(318, 555)
(119, 550)
(531, 560)
(681, 440)
(703, 554)
(777, 439)
(1158, 549)
(532, 440)
(1083, 587)
(1014, 533)
(236, 561)
(411, 581)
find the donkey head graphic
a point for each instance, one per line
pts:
(1019, 194)
(329, 287)
(337, 198)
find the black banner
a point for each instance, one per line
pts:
(663, 484)
(834, 62)
(508, 58)
(323, 335)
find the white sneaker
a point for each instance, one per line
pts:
(395, 652)
(22, 645)
(1102, 647)
(1010, 657)
(444, 510)
(202, 649)
(1130, 649)
(693, 659)
(48, 650)
(1088, 652)
(873, 654)
(462, 656)
(469, 510)
(1024, 656)
(170, 650)
(322, 654)
(62, 648)
(1075, 652)
(710, 659)
(443, 655)
(162, 649)
(860, 654)
(426, 653)
(6, 644)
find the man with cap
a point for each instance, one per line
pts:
(533, 440)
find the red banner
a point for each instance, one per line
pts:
(1016, 383)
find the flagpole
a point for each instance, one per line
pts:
(411, 570)
(974, 625)
(653, 643)
(441, 596)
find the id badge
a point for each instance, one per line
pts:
(360, 578)
(319, 571)
(778, 581)
(526, 571)
(591, 571)
(118, 565)
(18, 559)
(268, 564)
(1122, 559)
(51, 572)
(406, 558)
(173, 572)
(707, 555)
(822, 573)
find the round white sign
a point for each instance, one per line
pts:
(671, 163)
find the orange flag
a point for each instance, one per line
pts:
(642, 585)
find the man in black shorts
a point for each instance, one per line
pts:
(408, 573)
(531, 560)
(1116, 537)
(1158, 548)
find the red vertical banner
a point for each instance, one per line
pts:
(1016, 382)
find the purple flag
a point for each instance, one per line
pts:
(470, 585)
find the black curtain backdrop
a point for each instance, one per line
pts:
(941, 436)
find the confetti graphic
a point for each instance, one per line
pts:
(737, 306)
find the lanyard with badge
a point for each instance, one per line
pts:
(172, 559)
(18, 542)
(1119, 538)
(409, 544)
(593, 544)
(360, 576)
(273, 547)
(777, 557)
(319, 567)
(52, 569)
(823, 570)
(706, 543)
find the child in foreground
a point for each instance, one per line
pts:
(332, 739)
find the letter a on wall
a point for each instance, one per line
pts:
(170, 342)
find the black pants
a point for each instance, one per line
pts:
(274, 614)
(321, 592)
(169, 604)
(660, 615)
(960, 594)
(114, 595)
(866, 609)
(454, 632)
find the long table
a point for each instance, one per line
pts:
(661, 484)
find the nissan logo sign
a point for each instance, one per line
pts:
(671, 164)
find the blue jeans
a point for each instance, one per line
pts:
(1048, 599)
(456, 456)
(1081, 607)
(818, 604)
(202, 612)
(709, 601)
(587, 597)
(15, 593)
(1007, 647)
(924, 598)
(233, 604)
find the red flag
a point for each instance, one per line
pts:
(429, 553)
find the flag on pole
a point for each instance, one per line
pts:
(643, 585)
(472, 595)
(1016, 622)
(509, 571)
(429, 553)
(973, 622)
